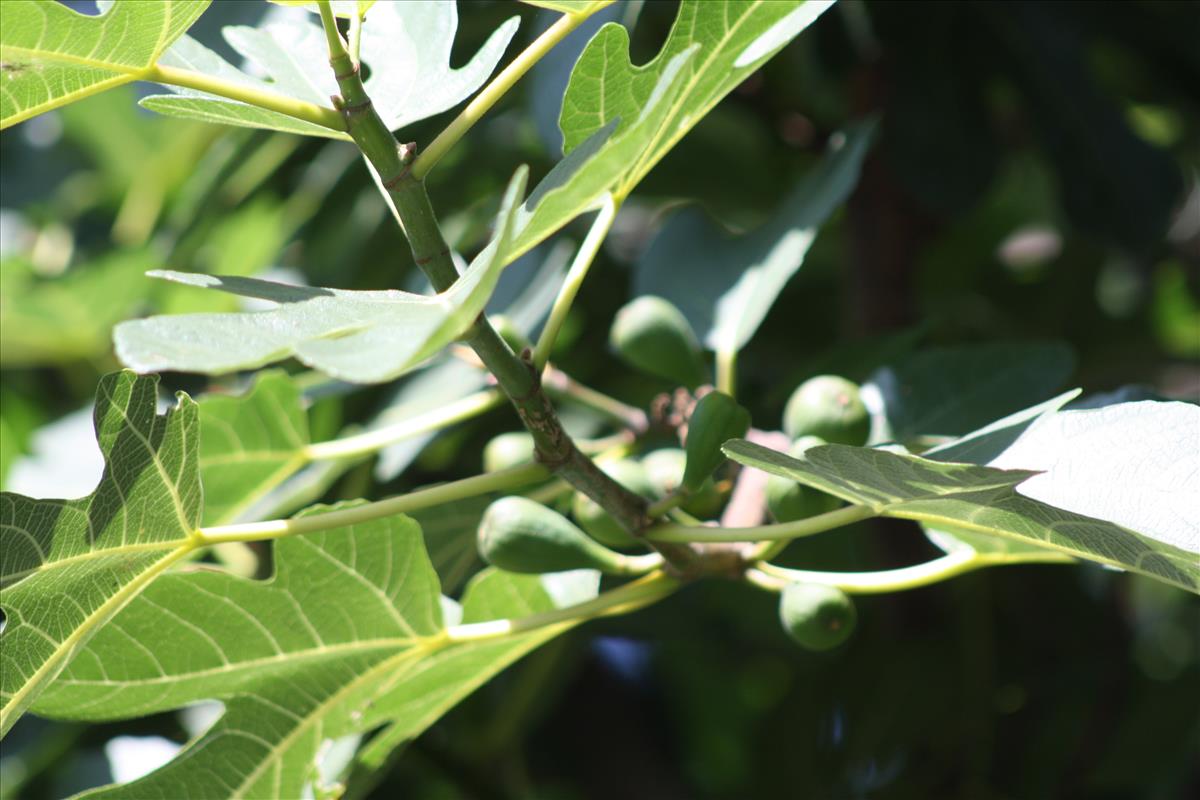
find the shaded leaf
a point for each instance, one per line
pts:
(52, 55)
(978, 499)
(405, 45)
(67, 566)
(732, 281)
(949, 391)
(619, 120)
(360, 336)
(987, 443)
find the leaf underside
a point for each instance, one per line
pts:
(358, 336)
(975, 499)
(406, 46)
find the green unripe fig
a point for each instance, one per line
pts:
(716, 419)
(599, 524)
(665, 468)
(827, 406)
(817, 617)
(507, 450)
(519, 535)
(651, 334)
(510, 333)
(788, 501)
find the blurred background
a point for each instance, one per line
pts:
(1034, 177)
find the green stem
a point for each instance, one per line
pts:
(948, 566)
(371, 441)
(299, 109)
(575, 277)
(499, 85)
(621, 600)
(788, 530)
(499, 481)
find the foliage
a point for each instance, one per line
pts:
(314, 550)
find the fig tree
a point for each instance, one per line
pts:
(827, 406)
(652, 335)
(519, 535)
(816, 616)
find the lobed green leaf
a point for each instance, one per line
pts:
(405, 45)
(51, 55)
(344, 637)
(68, 566)
(249, 445)
(618, 120)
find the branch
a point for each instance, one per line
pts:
(516, 376)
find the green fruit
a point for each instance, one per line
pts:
(651, 334)
(599, 523)
(519, 535)
(665, 470)
(827, 406)
(716, 419)
(817, 617)
(507, 450)
(510, 333)
(788, 500)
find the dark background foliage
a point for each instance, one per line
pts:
(1034, 178)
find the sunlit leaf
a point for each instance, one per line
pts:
(51, 55)
(1134, 464)
(361, 336)
(406, 46)
(977, 499)
(249, 445)
(618, 120)
(67, 566)
(344, 637)
(732, 281)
